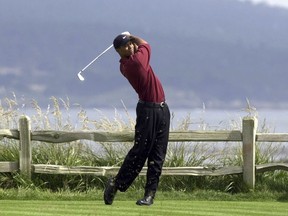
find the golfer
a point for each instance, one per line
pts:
(152, 122)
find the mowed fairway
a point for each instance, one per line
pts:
(166, 207)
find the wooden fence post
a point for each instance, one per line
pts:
(25, 156)
(249, 128)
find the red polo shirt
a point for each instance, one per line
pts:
(140, 74)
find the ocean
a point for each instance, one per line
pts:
(269, 120)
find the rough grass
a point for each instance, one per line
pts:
(79, 153)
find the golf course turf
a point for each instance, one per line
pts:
(166, 207)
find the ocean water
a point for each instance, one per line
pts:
(274, 121)
(271, 120)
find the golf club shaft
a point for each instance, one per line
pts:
(97, 57)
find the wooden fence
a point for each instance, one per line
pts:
(248, 136)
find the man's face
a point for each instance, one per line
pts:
(127, 50)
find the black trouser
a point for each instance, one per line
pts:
(151, 139)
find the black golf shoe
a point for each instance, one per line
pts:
(110, 191)
(146, 200)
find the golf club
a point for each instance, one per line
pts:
(80, 75)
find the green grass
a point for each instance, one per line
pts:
(30, 202)
(165, 207)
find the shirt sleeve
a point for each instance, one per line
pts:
(143, 55)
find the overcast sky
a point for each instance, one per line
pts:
(281, 3)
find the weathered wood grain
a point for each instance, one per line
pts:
(64, 136)
(271, 167)
(128, 136)
(9, 166)
(269, 137)
(106, 171)
(12, 134)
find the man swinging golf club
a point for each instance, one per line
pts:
(152, 122)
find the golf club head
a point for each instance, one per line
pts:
(80, 76)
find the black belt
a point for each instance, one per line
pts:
(152, 104)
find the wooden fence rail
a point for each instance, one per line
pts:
(248, 136)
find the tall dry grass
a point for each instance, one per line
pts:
(57, 116)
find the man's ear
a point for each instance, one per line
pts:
(117, 50)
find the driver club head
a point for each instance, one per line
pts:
(80, 76)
